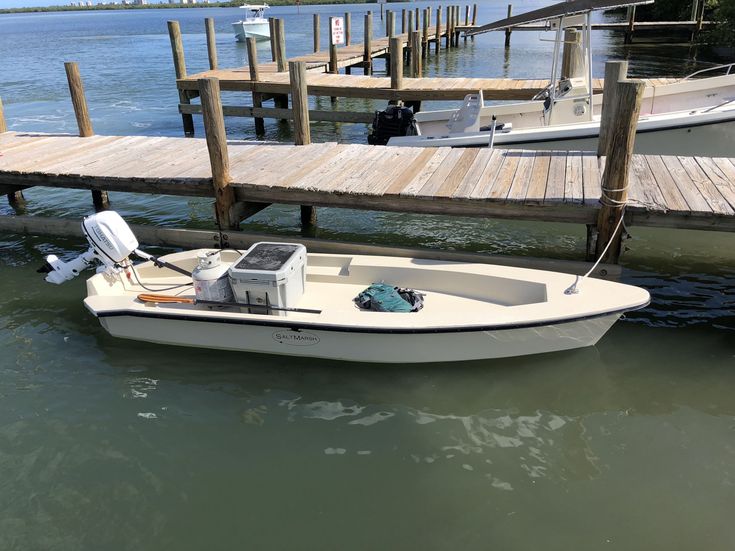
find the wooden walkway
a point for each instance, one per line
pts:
(358, 86)
(353, 54)
(685, 192)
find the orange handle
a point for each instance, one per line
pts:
(143, 297)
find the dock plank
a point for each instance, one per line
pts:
(723, 182)
(488, 176)
(704, 185)
(727, 166)
(644, 190)
(522, 179)
(539, 176)
(670, 191)
(557, 177)
(573, 182)
(421, 177)
(694, 199)
(443, 172)
(592, 179)
(473, 174)
(672, 196)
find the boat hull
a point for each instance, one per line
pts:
(359, 346)
(710, 138)
(244, 30)
(470, 311)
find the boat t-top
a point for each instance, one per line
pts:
(692, 116)
(254, 25)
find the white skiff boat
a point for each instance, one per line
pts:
(470, 311)
(693, 116)
(254, 25)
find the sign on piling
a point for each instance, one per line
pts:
(337, 28)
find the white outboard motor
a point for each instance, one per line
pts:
(210, 278)
(111, 241)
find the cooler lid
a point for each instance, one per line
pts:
(268, 257)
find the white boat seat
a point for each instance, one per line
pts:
(467, 117)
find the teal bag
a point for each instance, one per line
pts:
(381, 297)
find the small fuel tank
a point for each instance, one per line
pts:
(210, 278)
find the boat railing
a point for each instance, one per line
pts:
(728, 68)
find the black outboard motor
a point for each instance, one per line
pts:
(396, 120)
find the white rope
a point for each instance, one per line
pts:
(572, 289)
(608, 201)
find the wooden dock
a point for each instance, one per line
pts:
(412, 89)
(666, 191)
(271, 80)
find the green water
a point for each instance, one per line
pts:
(113, 444)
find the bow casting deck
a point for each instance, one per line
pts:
(685, 192)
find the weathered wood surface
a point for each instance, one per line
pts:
(668, 191)
(359, 86)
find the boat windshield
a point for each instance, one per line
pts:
(255, 10)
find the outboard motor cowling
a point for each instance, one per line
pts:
(395, 120)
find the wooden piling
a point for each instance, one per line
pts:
(367, 58)
(508, 30)
(214, 131)
(425, 31)
(78, 99)
(474, 15)
(396, 63)
(571, 61)
(272, 37)
(252, 47)
(317, 46)
(211, 43)
(614, 72)
(390, 24)
(404, 20)
(416, 54)
(177, 49)
(437, 42)
(299, 102)
(448, 36)
(280, 45)
(300, 105)
(348, 28)
(455, 20)
(3, 124)
(84, 122)
(619, 154)
(333, 67)
(467, 15)
(410, 22)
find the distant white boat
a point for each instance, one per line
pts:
(254, 25)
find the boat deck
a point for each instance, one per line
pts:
(670, 191)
